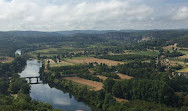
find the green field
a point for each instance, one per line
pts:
(74, 58)
(146, 53)
(54, 51)
(62, 63)
(183, 70)
(183, 51)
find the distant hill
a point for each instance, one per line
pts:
(71, 32)
(12, 40)
(28, 34)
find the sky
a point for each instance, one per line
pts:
(59, 15)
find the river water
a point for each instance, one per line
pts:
(44, 93)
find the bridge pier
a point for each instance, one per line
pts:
(37, 80)
(29, 80)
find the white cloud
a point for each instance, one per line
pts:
(181, 14)
(51, 15)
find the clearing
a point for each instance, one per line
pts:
(85, 60)
(96, 85)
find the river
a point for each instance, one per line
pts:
(44, 93)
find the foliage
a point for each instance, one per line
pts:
(76, 69)
(125, 57)
(173, 54)
(90, 77)
(143, 89)
(143, 70)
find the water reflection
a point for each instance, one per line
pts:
(57, 98)
(31, 69)
(43, 92)
(18, 52)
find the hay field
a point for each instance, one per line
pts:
(101, 77)
(85, 60)
(58, 64)
(96, 85)
(183, 70)
(6, 59)
(184, 56)
(123, 76)
(121, 100)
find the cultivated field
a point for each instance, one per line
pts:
(146, 53)
(6, 59)
(175, 63)
(170, 47)
(96, 85)
(102, 77)
(183, 70)
(58, 64)
(123, 77)
(184, 56)
(85, 60)
(121, 100)
(125, 52)
(180, 49)
(62, 63)
(49, 51)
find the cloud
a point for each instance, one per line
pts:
(52, 15)
(181, 14)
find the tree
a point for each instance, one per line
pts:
(108, 101)
(38, 56)
(108, 84)
(116, 90)
(57, 75)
